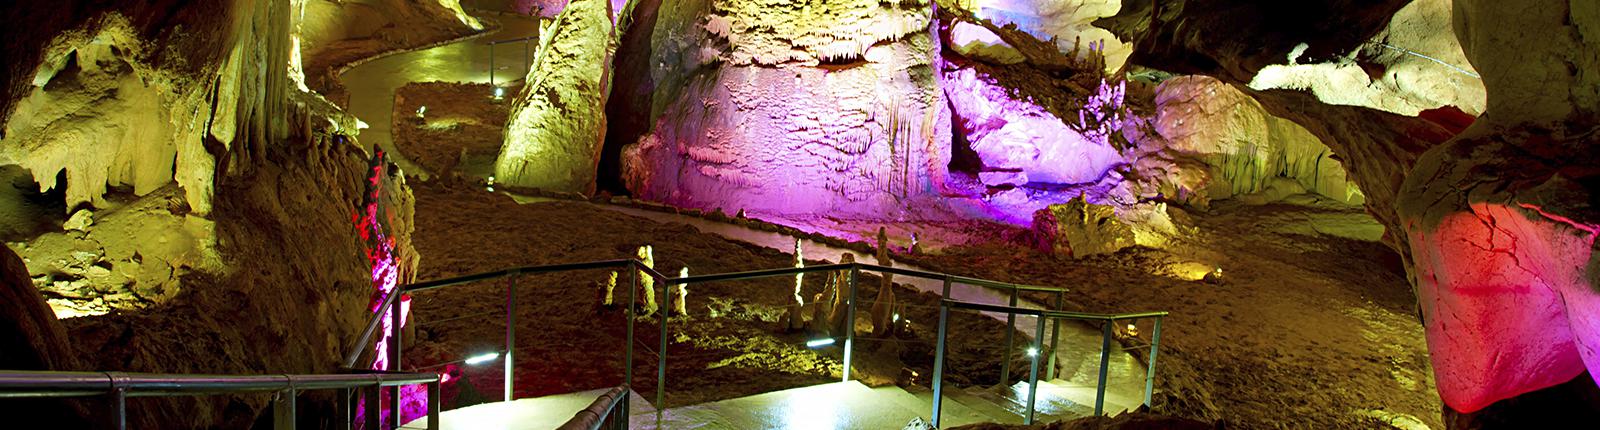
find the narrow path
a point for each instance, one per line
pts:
(372, 85)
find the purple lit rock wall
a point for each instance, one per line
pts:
(815, 107)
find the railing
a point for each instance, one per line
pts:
(121, 385)
(527, 60)
(603, 411)
(1107, 322)
(636, 268)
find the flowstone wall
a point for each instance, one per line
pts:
(804, 108)
(211, 199)
(1494, 214)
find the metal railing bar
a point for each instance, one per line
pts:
(23, 383)
(526, 270)
(756, 274)
(519, 39)
(993, 308)
(594, 416)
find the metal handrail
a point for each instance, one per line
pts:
(1037, 349)
(121, 385)
(636, 268)
(603, 410)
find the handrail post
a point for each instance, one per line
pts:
(491, 66)
(1105, 360)
(346, 415)
(283, 410)
(661, 356)
(938, 355)
(1150, 372)
(396, 303)
(119, 408)
(1011, 330)
(511, 334)
(374, 402)
(850, 323)
(1055, 331)
(1033, 372)
(633, 286)
(433, 405)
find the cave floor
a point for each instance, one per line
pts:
(730, 346)
(1313, 324)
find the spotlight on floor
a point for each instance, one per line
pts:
(1032, 351)
(819, 343)
(482, 358)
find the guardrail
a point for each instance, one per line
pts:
(603, 411)
(527, 59)
(636, 268)
(1107, 322)
(120, 386)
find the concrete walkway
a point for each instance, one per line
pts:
(372, 85)
(840, 405)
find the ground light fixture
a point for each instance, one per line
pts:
(499, 93)
(482, 358)
(1033, 351)
(817, 343)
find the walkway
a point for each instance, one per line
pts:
(839, 405)
(372, 85)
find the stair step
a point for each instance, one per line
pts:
(977, 403)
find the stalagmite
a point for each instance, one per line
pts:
(647, 284)
(679, 305)
(794, 319)
(883, 308)
(607, 290)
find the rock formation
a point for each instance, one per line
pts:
(1495, 218)
(884, 308)
(647, 283)
(558, 122)
(809, 107)
(680, 303)
(1078, 228)
(184, 121)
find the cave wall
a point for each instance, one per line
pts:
(804, 108)
(1503, 219)
(558, 122)
(1493, 215)
(180, 126)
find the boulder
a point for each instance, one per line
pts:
(558, 122)
(1079, 229)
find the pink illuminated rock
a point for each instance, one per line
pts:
(1499, 286)
(1017, 135)
(979, 43)
(558, 123)
(794, 109)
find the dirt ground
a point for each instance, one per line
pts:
(460, 131)
(1313, 326)
(731, 345)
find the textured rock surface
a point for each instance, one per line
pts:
(1012, 135)
(32, 339)
(1497, 225)
(1413, 64)
(804, 108)
(1245, 146)
(264, 275)
(1502, 221)
(981, 44)
(558, 123)
(1080, 229)
(1068, 22)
